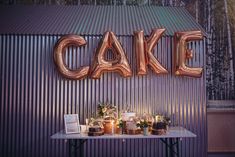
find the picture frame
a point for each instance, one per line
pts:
(71, 122)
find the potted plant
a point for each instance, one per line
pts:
(167, 121)
(108, 113)
(120, 126)
(143, 124)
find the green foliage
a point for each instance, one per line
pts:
(143, 124)
(107, 110)
(166, 120)
(120, 124)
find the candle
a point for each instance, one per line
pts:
(117, 113)
(87, 121)
(112, 125)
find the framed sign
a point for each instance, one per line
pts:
(71, 122)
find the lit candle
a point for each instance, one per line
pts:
(158, 118)
(117, 116)
(87, 121)
(112, 124)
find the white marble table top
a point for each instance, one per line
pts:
(174, 132)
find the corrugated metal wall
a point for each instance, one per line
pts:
(94, 19)
(34, 98)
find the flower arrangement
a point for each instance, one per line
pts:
(143, 124)
(120, 123)
(107, 111)
(166, 120)
(93, 121)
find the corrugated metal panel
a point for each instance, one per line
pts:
(34, 98)
(93, 20)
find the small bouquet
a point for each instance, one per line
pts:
(94, 121)
(142, 124)
(166, 120)
(107, 111)
(120, 123)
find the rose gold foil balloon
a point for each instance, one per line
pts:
(139, 49)
(155, 35)
(59, 51)
(118, 64)
(144, 52)
(182, 53)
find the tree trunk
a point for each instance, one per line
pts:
(229, 46)
(171, 2)
(209, 52)
(196, 10)
(163, 2)
(213, 48)
(226, 61)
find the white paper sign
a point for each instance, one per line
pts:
(71, 123)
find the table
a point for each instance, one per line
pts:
(171, 140)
